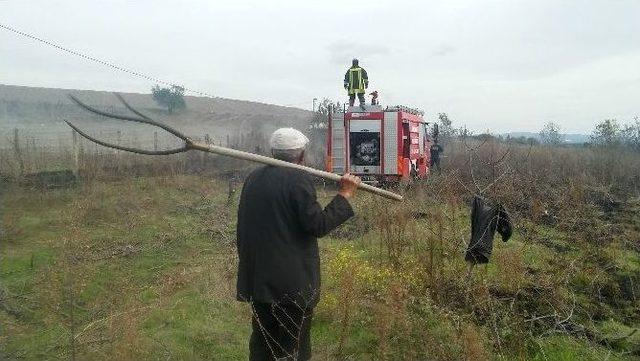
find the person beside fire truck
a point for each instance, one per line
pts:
(435, 150)
(355, 82)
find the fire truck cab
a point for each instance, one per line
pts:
(379, 145)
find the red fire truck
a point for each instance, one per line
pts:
(379, 145)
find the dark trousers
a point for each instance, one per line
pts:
(280, 332)
(435, 161)
(352, 99)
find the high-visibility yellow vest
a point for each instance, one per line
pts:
(356, 81)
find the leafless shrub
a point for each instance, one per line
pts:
(560, 197)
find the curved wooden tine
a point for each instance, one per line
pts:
(144, 119)
(128, 149)
(131, 109)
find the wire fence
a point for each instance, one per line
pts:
(28, 151)
(62, 139)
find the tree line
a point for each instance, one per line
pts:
(607, 133)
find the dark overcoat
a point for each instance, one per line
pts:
(279, 221)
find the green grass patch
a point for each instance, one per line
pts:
(150, 266)
(564, 348)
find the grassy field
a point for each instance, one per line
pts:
(144, 268)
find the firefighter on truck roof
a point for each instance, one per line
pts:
(355, 82)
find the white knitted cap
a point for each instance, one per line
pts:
(288, 138)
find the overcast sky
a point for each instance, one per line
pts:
(497, 65)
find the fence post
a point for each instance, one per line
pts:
(18, 152)
(81, 155)
(1, 212)
(76, 153)
(118, 140)
(155, 141)
(2, 188)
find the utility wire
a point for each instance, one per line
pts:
(102, 62)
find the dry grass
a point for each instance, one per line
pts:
(148, 264)
(556, 276)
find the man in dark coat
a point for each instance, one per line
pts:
(279, 219)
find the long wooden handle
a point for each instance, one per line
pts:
(210, 148)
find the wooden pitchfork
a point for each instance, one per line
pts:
(210, 148)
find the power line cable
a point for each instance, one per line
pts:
(102, 62)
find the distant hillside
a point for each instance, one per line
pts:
(568, 138)
(39, 112)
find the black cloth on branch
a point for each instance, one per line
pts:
(280, 332)
(485, 220)
(279, 219)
